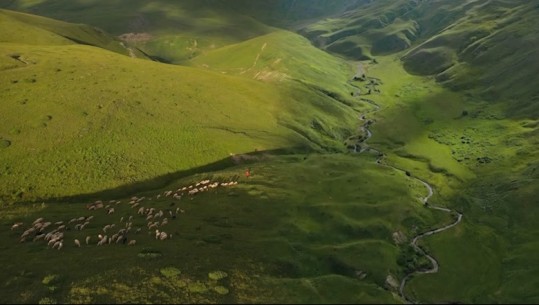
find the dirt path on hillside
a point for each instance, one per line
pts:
(425, 200)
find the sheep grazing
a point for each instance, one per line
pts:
(72, 220)
(102, 242)
(28, 232)
(16, 225)
(140, 211)
(132, 242)
(105, 228)
(38, 237)
(157, 197)
(90, 218)
(110, 211)
(40, 219)
(163, 236)
(58, 223)
(121, 219)
(77, 242)
(88, 239)
(57, 245)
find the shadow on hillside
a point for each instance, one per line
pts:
(167, 179)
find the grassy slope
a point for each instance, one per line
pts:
(445, 136)
(100, 125)
(489, 50)
(172, 31)
(437, 142)
(379, 27)
(279, 56)
(485, 47)
(299, 230)
(80, 119)
(431, 129)
(36, 30)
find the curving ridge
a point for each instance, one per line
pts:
(435, 265)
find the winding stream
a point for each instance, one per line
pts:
(364, 147)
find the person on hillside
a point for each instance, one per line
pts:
(248, 173)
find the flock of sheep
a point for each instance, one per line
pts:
(54, 233)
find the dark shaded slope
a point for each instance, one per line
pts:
(488, 47)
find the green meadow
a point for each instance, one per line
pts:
(180, 93)
(275, 236)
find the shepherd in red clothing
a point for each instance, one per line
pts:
(248, 173)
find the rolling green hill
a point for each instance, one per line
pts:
(449, 91)
(169, 31)
(34, 30)
(79, 118)
(280, 56)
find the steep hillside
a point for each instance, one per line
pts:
(80, 119)
(35, 30)
(486, 47)
(168, 31)
(280, 56)
(491, 50)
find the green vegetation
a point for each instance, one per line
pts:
(314, 223)
(19, 28)
(81, 119)
(301, 226)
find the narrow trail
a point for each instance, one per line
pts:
(364, 147)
